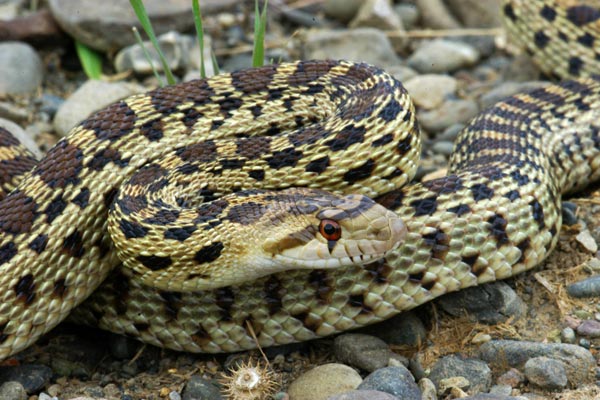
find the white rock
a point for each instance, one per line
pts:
(323, 381)
(21, 69)
(442, 55)
(430, 90)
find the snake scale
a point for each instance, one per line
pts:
(302, 127)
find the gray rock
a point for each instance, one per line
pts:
(546, 373)
(361, 351)
(490, 304)
(567, 335)
(475, 371)
(21, 136)
(396, 381)
(49, 104)
(408, 13)
(342, 10)
(428, 389)
(13, 112)
(363, 44)
(589, 287)
(13, 391)
(324, 381)
(569, 214)
(90, 97)
(444, 147)
(403, 329)
(106, 25)
(586, 239)
(198, 388)
(449, 113)
(377, 14)
(21, 69)
(491, 396)
(181, 51)
(589, 328)
(32, 377)
(430, 90)
(363, 395)
(440, 55)
(435, 15)
(501, 390)
(401, 72)
(513, 378)
(476, 13)
(579, 362)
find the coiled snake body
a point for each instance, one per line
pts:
(495, 214)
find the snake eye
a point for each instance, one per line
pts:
(330, 229)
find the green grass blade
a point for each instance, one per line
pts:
(260, 26)
(200, 34)
(215, 64)
(138, 38)
(142, 15)
(90, 60)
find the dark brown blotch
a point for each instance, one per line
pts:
(209, 253)
(112, 123)
(439, 242)
(18, 213)
(25, 289)
(61, 166)
(73, 245)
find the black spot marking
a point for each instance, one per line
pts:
(258, 175)
(382, 141)
(172, 303)
(445, 185)
(439, 243)
(209, 253)
(538, 213)
(524, 245)
(541, 39)
(25, 289)
(55, 208)
(322, 283)
(273, 294)
(391, 110)
(155, 263)
(509, 12)
(425, 206)
(180, 234)
(345, 138)
(163, 217)
(358, 300)
(460, 210)
(284, 158)
(391, 200)
(403, 146)
(106, 156)
(318, 166)
(379, 271)
(7, 252)
(575, 65)
(225, 299)
(512, 195)
(586, 40)
(129, 204)
(582, 15)
(83, 198)
(132, 230)
(73, 245)
(498, 229)
(39, 243)
(361, 172)
(60, 288)
(481, 191)
(548, 13)
(109, 197)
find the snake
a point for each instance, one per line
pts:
(274, 205)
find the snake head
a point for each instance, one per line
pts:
(332, 231)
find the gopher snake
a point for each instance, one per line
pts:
(494, 215)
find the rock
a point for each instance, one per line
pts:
(364, 44)
(513, 378)
(587, 241)
(396, 381)
(363, 395)
(408, 13)
(449, 113)
(567, 335)
(32, 377)
(589, 287)
(106, 25)
(443, 147)
(501, 390)
(450, 133)
(569, 214)
(323, 381)
(342, 10)
(489, 304)
(377, 14)
(428, 389)
(589, 328)
(507, 89)
(21, 69)
(430, 90)
(13, 112)
(441, 55)
(21, 136)
(401, 72)
(404, 329)
(435, 15)
(579, 362)
(476, 372)
(198, 388)
(459, 382)
(181, 51)
(546, 373)
(476, 13)
(13, 391)
(90, 97)
(361, 351)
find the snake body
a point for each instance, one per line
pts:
(304, 124)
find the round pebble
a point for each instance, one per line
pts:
(21, 69)
(472, 370)
(546, 373)
(589, 328)
(323, 381)
(396, 381)
(441, 55)
(362, 351)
